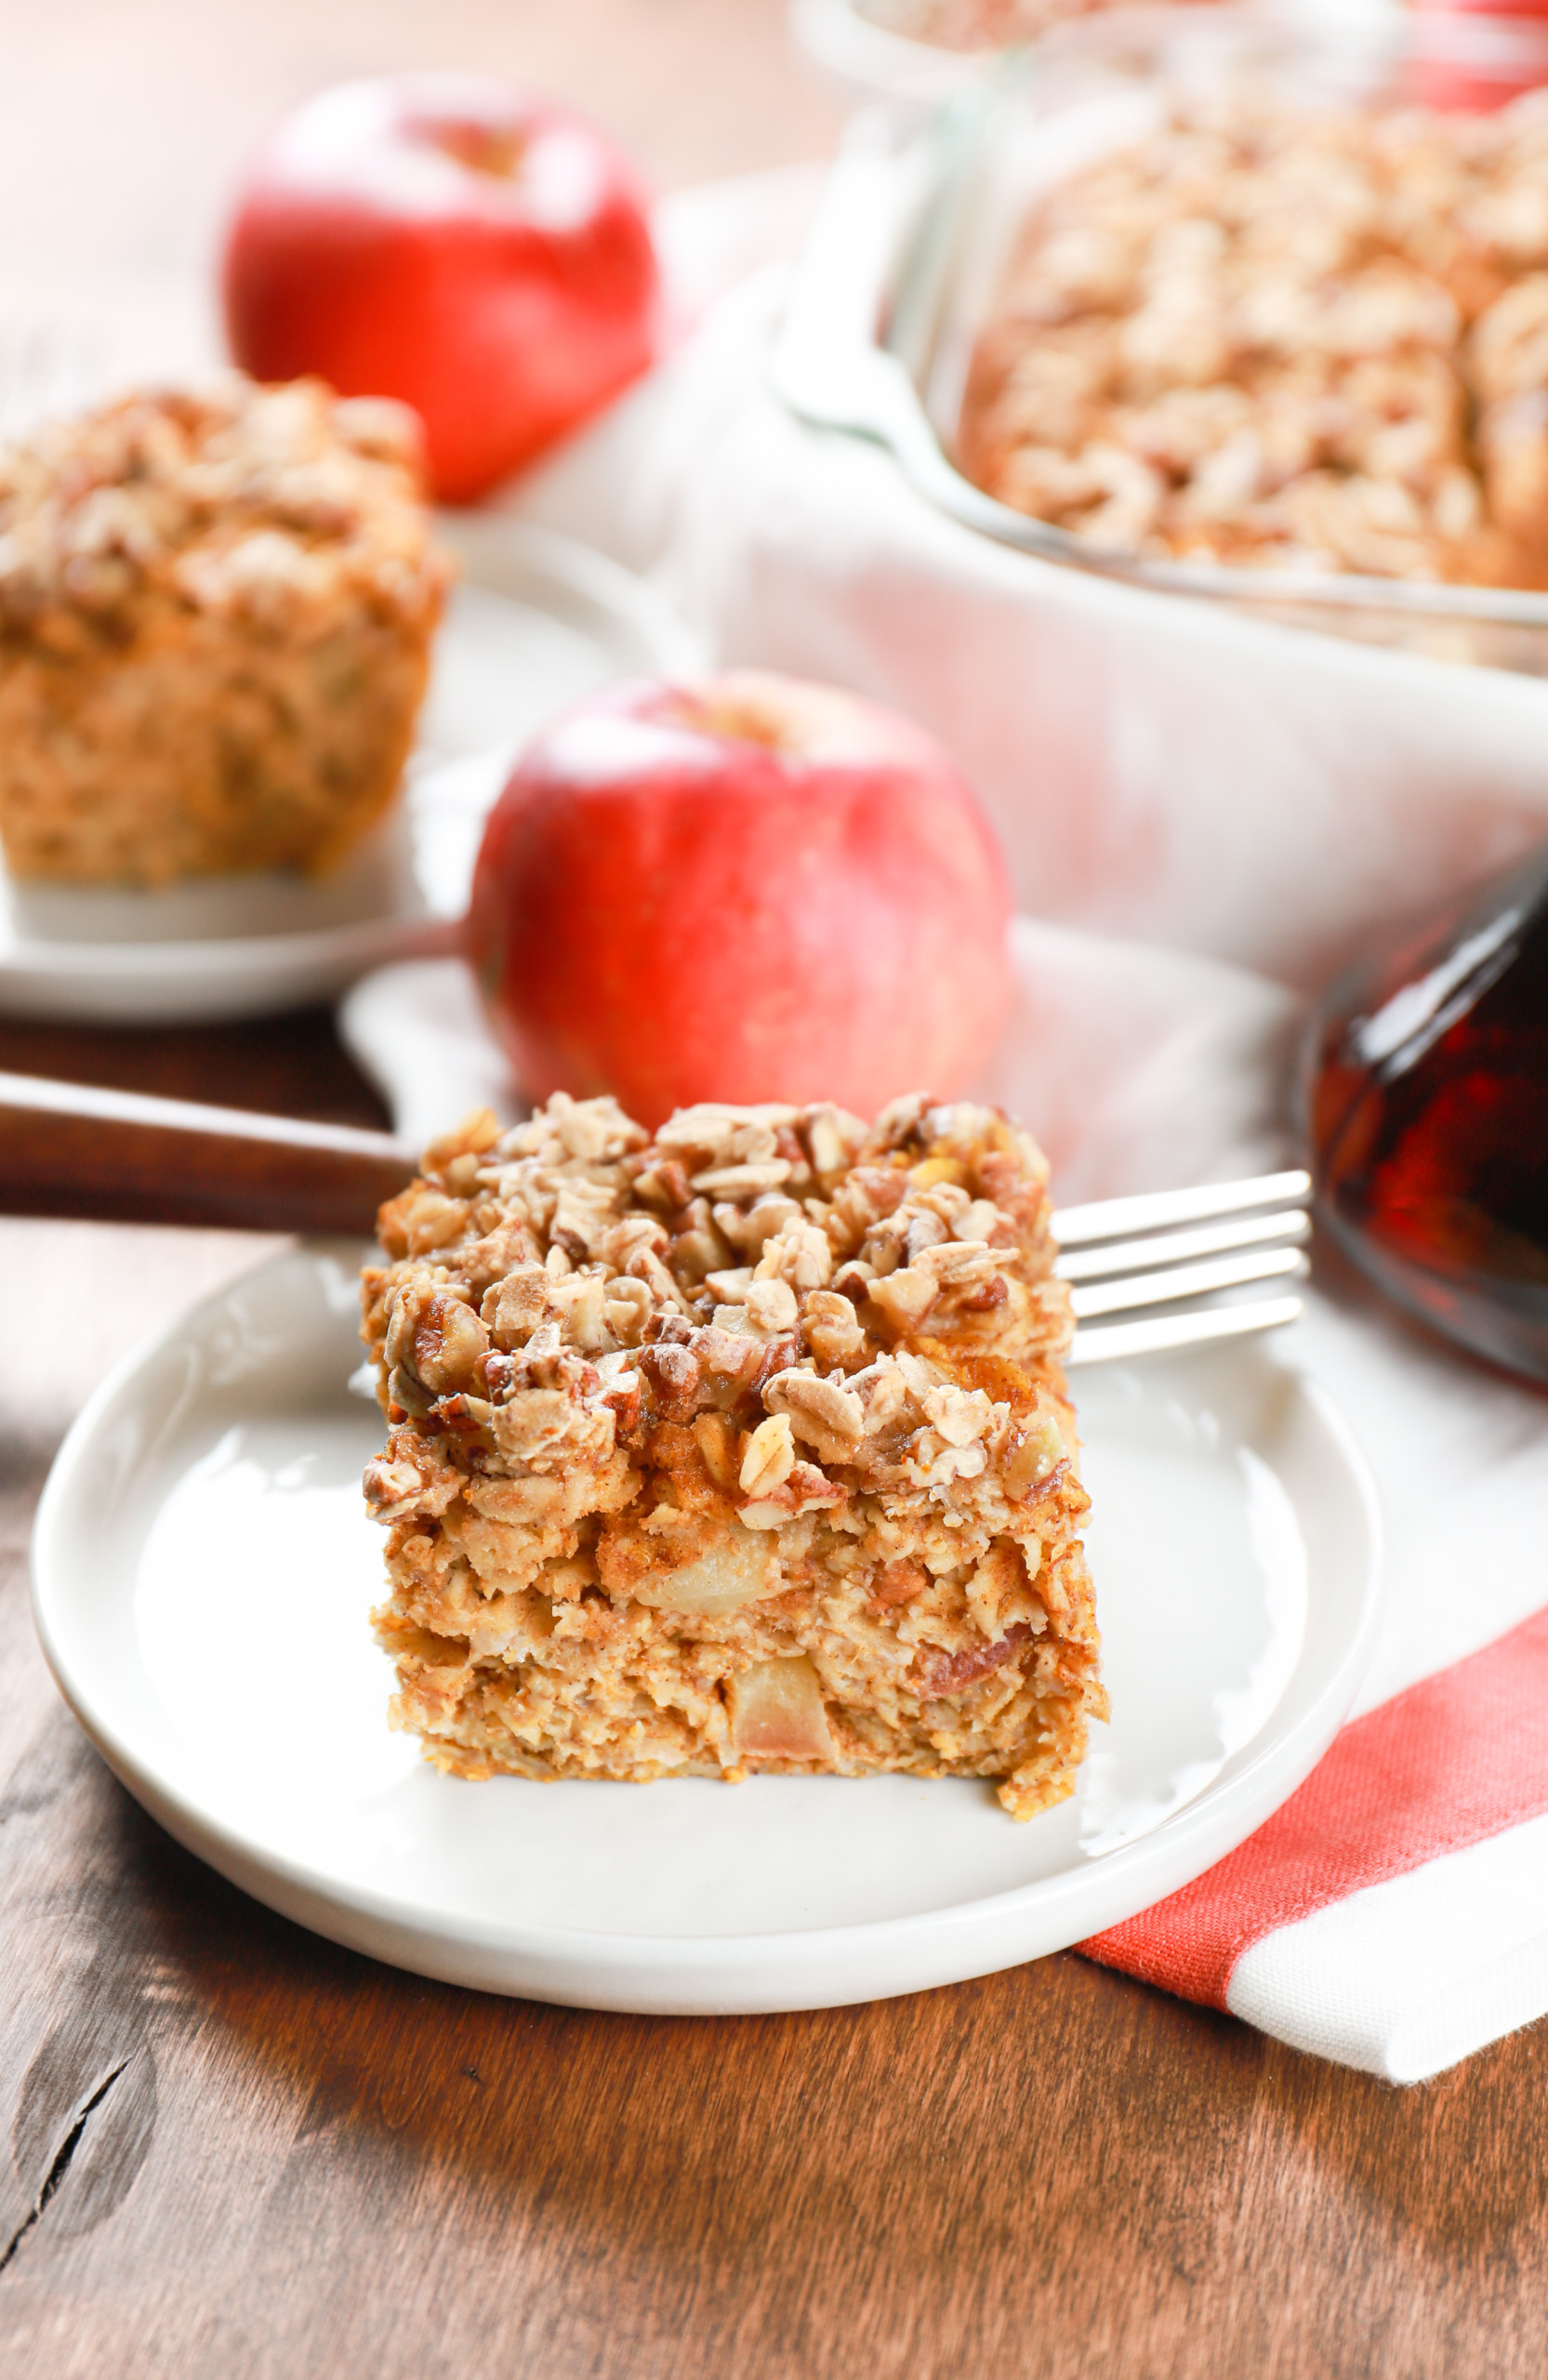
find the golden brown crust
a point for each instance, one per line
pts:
(215, 622)
(977, 24)
(1285, 338)
(747, 1448)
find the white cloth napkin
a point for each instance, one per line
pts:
(1157, 768)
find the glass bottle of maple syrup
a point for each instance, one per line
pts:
(1426, 1096)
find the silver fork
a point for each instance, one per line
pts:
(1176, 1248)
(119, 1156)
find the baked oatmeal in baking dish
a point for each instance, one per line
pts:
(743, 1448)
(980, 24)
(215, 613)
(1289, 338)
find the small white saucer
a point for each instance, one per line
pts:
(203, 1572)
(533, 622)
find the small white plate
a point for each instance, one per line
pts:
(533, 622)
(202, 1570)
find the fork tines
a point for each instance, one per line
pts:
(1174, 1246)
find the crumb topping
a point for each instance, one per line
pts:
(268, 508)
(809, 1296)
(1285, 338)
(748, 1442)
(977, 24)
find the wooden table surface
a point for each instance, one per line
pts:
(237, 2150)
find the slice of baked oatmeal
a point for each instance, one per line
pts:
(1284, 337)
(215, 613)
(746, 1448)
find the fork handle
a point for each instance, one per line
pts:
(72, 1149)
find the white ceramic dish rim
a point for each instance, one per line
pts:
(726, 1973)
(870, 55)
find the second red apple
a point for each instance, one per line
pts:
(753, 890)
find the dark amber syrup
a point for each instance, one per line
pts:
(1426, 1096)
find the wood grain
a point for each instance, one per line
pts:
(306, 2163)
(122, 1157)
(292, 1065)
(236, 2151)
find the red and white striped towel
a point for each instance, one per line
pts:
(1394, 1914)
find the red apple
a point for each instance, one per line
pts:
(754, 889)
(439, 239)
(1475, 55)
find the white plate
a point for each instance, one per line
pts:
(533, 622)
(202, 1570)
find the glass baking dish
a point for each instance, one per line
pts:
(875, 57)
(908, 252)
(923, 50)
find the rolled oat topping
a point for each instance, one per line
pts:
(1287, 340)
(215, 618)
(776, 1387)
(978, 25)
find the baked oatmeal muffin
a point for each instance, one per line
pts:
(743, 1448)
(1296, 340)
(216, 613)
